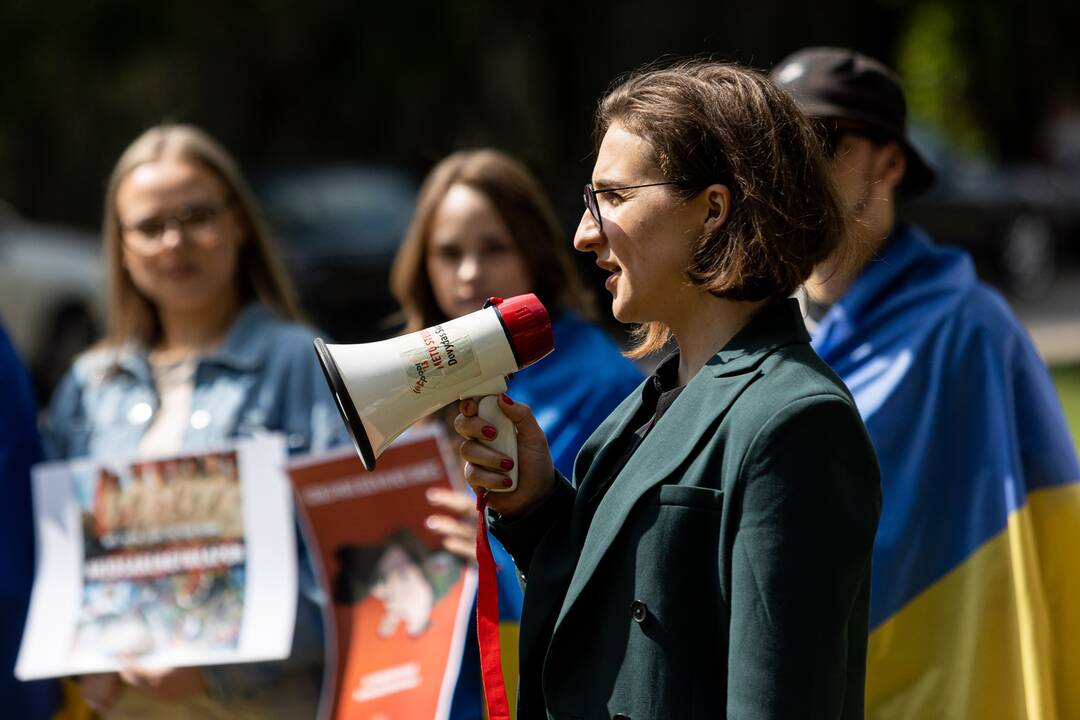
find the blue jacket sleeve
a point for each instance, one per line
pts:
(19, 450)
(311, 424)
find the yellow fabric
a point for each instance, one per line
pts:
(72, 706)
(509, 637)
(999, 636)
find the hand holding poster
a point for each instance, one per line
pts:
(401, 603)
(163, 563)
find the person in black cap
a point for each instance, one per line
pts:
(861, 112)
(972, 593)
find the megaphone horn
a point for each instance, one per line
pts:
(382, 388)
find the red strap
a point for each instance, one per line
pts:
(487, 619)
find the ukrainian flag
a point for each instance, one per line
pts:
(975, 596)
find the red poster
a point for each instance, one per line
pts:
(400, 603)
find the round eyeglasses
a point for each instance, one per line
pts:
(196, 221)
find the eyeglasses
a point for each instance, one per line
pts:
(198, 222)
(594, 206)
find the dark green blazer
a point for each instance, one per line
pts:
(726, 571)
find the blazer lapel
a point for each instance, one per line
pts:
(595, 450)
(701, 404)
(678, 435)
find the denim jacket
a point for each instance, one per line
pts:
(264, 377)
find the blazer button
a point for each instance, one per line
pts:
(639, 611)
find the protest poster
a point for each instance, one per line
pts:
(400, 603)
(163, 562)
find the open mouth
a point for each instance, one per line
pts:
(612, 279)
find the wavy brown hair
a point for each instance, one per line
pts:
(710, 122)
(131, 315)
(527, 212)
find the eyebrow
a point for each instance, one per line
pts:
(605, 183)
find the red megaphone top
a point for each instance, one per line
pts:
(527, 325)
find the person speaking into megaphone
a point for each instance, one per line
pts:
(484, 227)
(710, 555)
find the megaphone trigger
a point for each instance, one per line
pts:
(505, 441)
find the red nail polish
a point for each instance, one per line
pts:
(506, 464)
(489, 432)
(507, 482)
(507, 400)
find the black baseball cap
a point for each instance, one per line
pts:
(843, 85)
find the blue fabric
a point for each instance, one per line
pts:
(570, 392)
(468, 702)
(264, 377)
(574, 389)
(961, 410)
(19, 450)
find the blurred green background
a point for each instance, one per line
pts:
(1067, 379)
(283, 82)
(288, 84)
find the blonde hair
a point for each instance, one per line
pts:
(522, 205)
(130, 314)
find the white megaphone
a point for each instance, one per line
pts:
(382, 388)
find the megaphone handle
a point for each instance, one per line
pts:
(506, 439)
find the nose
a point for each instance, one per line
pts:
(588, 237)
(469, 268)
(173, 234)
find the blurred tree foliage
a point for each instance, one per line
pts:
(285, 83)
(937, 75)
(288, 83)
(990, 74)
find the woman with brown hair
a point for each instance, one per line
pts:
(203, 346)
(483, 227)
(711, 557)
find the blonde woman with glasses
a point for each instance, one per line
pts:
(203, 346)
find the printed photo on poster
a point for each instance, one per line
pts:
(401, 603)
(159, 562)
(163, 547)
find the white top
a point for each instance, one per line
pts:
(175, 382)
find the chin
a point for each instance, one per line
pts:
(622, 312)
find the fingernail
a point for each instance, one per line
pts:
(431, 523)
(507, 482)
(489, 432)
(506, 399)
(506, 464)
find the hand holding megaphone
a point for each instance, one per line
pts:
(384, 387)
(485, 468)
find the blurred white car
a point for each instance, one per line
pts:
(52, 294)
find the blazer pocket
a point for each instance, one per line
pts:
(692, 497)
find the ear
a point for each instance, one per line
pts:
(891, 166)
(717, 199)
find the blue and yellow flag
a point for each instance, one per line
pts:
(975, 601)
